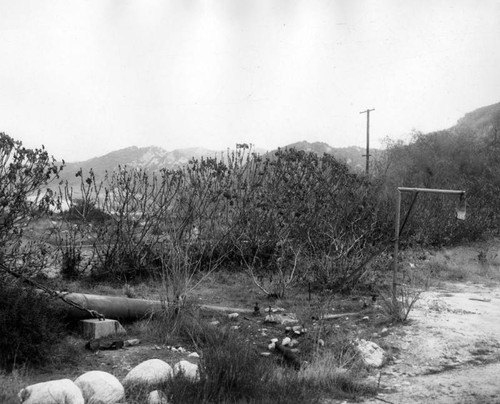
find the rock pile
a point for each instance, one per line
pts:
(104, 388)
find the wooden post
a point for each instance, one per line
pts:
(396, 245)
(367, 169)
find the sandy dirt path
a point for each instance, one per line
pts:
(450, 351)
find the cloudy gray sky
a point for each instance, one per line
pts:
(85, 77)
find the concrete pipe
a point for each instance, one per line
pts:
(113, 307)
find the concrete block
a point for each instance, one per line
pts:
(95, 328)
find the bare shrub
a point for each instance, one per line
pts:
(408, 291)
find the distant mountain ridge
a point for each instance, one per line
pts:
(154, 158)
(481, 122)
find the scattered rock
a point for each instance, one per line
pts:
(294, 342)
(287, 319)
(194, 355)
(214, 323)
(188, 369)
(233, 316)
(286, 341)
(321, 342)
(131, 342)
(100, 387)
(265, 353)
(157, 397)
(235, 327)
(62, 391)
(274, 309)
(288, 356)
(148, 373)
(371, 353)
(270, 319)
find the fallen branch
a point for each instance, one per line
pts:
(381, 399)
(334, 316)
(52, 293)
(479, 299)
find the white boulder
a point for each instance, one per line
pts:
(100, 387)
(270, 319)
(148, 373)
(157, 397)
(371, 353)
(62, 391)
(188, 369)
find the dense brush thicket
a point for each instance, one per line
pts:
(30, 327)
(286, 210)
(456, 159)
(265, 213)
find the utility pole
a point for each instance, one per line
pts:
(367, 112)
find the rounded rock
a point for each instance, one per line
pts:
(148, 373)
(188, 369)
(62, 391)
(101, 387)
(157, 397)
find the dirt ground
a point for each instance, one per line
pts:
(449, 353)
(450, 350)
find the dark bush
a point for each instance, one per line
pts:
(30, 327)
(88, 212)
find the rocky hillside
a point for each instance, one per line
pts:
(483, 121)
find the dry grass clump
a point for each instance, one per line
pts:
(10, 384)
(326, 374)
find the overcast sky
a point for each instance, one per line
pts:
(86, 77)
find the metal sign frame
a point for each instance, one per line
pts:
(398, 228)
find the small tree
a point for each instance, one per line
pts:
(26, 318)
(23, 175)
